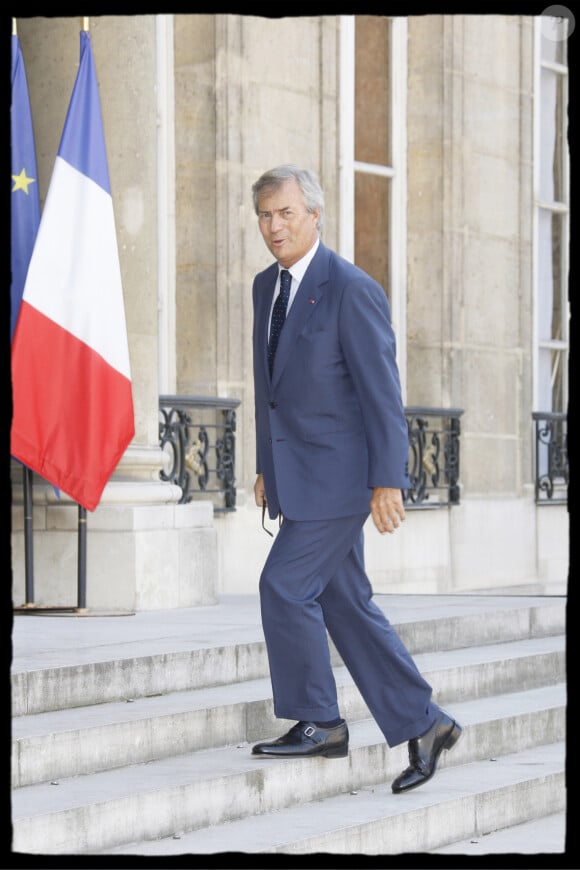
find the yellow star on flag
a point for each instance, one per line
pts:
(22, 181)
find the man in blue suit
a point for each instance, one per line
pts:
(332, 445)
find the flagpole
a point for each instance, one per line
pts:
(82, 521)
(27, 492)
(28, 539)
(82, 560)
(27, 500)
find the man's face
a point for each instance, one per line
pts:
(287, 228)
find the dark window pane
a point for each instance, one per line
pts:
(552, 93)
(550, 277)
(372, 194)
(372, 90)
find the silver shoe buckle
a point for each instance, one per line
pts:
(309, 731)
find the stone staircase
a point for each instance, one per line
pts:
(150, 754)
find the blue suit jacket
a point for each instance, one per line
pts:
(330, 424)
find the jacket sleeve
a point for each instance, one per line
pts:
(369, 347)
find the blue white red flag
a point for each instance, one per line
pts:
(72, 396)
(25, 200)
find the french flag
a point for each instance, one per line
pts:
(71, 381)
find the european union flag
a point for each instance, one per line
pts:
(25, 201)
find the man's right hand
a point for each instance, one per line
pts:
(260, 491)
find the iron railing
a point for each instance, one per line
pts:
(433, 457)
(199, 435)
(551, 457)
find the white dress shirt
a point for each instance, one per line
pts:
(297, 272)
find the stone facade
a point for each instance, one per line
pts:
(249, 93)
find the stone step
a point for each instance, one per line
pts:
(490, 796)
(60, 664)
(83, 740)
(202, 789)
(544, 835)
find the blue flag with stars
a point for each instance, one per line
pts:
(24, 201)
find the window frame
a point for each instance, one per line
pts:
(556, 209)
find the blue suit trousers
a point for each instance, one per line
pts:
(314, 582)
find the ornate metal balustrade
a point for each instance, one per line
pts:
(433, 457)
(551, 457)
(198, 434)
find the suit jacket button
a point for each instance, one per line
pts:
(273, 405)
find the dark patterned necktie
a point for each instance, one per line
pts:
(279, 315)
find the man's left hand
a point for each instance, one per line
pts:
(387, 508)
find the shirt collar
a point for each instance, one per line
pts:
(299, 268)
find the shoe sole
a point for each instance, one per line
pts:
(325, 753)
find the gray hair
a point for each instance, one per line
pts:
(307, 181)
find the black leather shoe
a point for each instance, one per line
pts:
(305, 739)
(424, 752)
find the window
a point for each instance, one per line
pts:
(373, 156)
(552, 217)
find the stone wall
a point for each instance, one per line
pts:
(252, 92)
(469, 314)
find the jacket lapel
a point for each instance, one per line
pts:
(266, 293)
